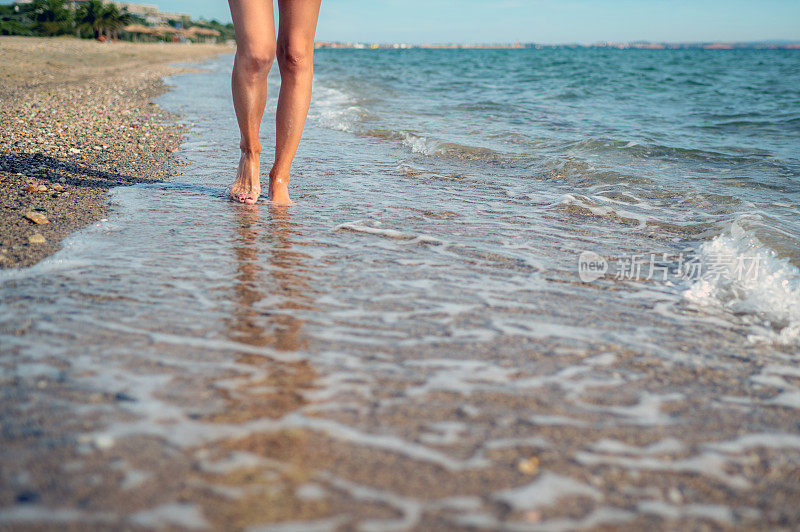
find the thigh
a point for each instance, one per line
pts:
(254, 23)
(297, 24)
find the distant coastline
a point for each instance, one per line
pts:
(641, 45)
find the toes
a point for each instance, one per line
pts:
(246, 194)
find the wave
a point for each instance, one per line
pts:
(745, 277)
(578, 204)
(337, 110)
(431, 146)
(393, 234)
(658, 151)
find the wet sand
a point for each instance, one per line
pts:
(76, 119)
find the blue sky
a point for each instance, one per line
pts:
(547, 21)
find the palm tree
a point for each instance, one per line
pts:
(102, 20)
(51, 17)
(89, 18)
(114, 19)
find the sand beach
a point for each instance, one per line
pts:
(76, 119)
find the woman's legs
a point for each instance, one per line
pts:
(254, 23)
(297, 24)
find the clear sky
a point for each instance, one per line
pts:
(546, 21)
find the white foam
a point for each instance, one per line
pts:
(320, 525)
(134, 478)
(359, 227)
(601, 517)
(748, 278)
(713, 512)
(310, 491)
(646, 412)
(710, 464)
(787, 398)
(410, 509)
(444, 433)
(604, 517)
(460, 376)
(203, 343)
(771, 441)
(510, 443)
(419, 144)
(335, 109)
(553, 420)
(599, 206)
(30, 513)
(431, 146)
(666, 446)
(386, 442)
(544, 491)
(171, 514)
(234, 461)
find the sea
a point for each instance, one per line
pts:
(529, 289)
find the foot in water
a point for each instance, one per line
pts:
(247, 187)
(279, 187)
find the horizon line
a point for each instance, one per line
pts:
(608, 43)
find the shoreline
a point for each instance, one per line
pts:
(78, 118)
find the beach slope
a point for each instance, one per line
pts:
(77, 118)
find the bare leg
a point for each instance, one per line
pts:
(297, 24)
(254, 23)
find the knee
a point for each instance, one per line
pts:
(295, 59)
(255, 61)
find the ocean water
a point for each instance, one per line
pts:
(584, 257)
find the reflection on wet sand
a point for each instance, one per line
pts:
(267, 292)
(271, 284)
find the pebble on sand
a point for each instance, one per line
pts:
(37, 239)
(36, 217)
(529, 466)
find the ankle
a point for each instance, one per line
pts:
(254, 151)
(277, 174)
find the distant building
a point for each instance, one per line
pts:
(150, 13)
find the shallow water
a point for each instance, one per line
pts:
(392, 350)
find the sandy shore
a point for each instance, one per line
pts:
(76, 119)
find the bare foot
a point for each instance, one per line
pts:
(247, 187)
(279, 188)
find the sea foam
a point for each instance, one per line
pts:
(750, 279)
